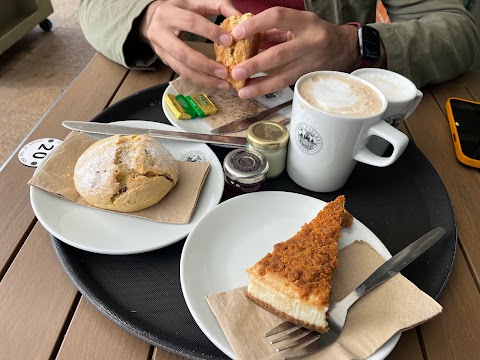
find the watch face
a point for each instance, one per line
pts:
(369, 43)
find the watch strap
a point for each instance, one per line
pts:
(362, 62)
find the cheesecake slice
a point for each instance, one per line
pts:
(294, 280)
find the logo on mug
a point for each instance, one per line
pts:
(194, 156)
(395, 120)
(308, 139)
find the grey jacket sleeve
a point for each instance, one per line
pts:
(429, 41)
(107, 27)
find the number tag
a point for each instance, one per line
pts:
(36, 151)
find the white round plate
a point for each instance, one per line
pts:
(238, 233)
(199, 126)
(107, 232)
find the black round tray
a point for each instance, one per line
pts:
(142, 292)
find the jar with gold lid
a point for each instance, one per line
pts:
(245, 171)
(271, 139)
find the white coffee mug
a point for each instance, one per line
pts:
(402, 95)
(325, 145)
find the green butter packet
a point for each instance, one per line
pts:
(198, 110)
(185, 104)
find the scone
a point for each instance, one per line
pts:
(238, 51)
(294, 280)
(125, 173)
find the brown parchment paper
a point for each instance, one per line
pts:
(56, 177)
(230, 106)
(394, 306)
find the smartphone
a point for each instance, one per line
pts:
(464, 119)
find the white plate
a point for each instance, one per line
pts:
(197, 125)
(235, 235)
(113, 233)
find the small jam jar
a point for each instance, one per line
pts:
(245, 171)
(271, 139)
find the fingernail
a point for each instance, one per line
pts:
(223, 86)
(225, 39)
(244, 93)
(220, 73)
(238, 31)
(239, 73)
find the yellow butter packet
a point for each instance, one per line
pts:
(176, 108)
(204, 104)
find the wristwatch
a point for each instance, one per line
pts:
(368, 45)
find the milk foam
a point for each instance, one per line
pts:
(394, 89)
(340, 96)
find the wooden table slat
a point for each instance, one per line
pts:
(36, 297)
(408, 347)
(98, 82)
(16, 212)
(454, 334)
(94, 336)
(470, 80)
(140, 80)
(442, 93)
(459, 180)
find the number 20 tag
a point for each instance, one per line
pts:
(36, 151)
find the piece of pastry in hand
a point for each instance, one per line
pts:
(238, 51)
(294, 280)
(125, 173)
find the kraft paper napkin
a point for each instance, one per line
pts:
(177, 207)
(394, 306)
(230, 106)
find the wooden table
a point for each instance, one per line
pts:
(43, 316)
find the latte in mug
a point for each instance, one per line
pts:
(394, 87)
(333, 116)
(341, 96)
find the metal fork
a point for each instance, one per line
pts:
(307, 342)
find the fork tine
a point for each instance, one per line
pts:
(312, 335)
(282, 327)
(291, 335)
(312, 346)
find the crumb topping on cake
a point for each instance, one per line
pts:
(309, 258)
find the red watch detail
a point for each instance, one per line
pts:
(354, 23)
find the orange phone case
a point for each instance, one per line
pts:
(456, 141)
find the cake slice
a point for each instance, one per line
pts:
(294, 280)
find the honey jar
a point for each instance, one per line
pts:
(245, 171)
(271, 139)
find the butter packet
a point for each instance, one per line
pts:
(190, 106)
(202, 104)
(177, 109)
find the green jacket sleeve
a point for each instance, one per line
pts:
(429, 41)
(107, 26)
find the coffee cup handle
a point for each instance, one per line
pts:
(414, 104)
(387, 132)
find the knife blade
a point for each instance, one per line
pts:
(400, 260)
(111, 129)
(245, 122)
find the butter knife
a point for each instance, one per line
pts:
(111, 129)
(245, 122)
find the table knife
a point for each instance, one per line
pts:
(245, 122)
(111, 129)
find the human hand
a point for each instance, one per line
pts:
(165, 20)
(304, 43)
